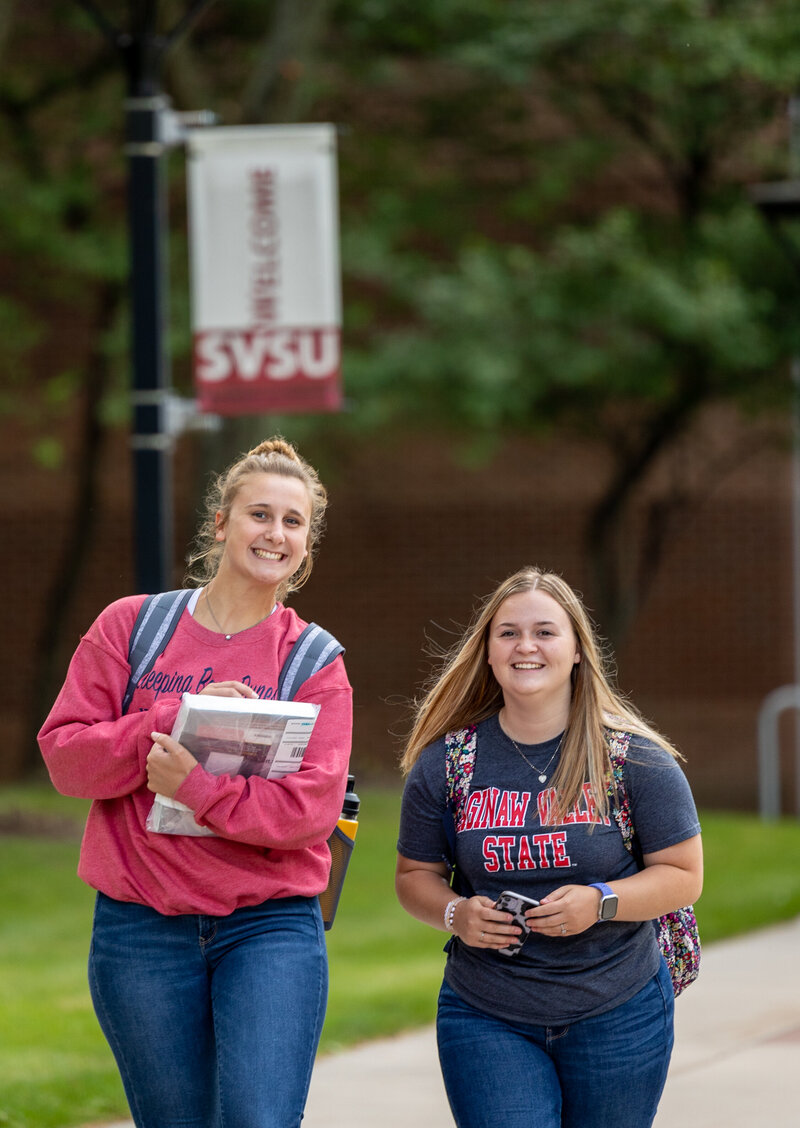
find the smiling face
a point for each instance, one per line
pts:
(532, 648)
(265, 534)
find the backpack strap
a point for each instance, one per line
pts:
(314, 649)
(618, 743)
(155, 624)
(677, 933)
(460, 746)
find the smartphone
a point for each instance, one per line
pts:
(518, 905)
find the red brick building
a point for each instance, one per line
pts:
(414, 539)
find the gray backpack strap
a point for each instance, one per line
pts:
(157, 619)
(314, 649)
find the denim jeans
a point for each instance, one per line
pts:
(214, 1021)
(599, 1072)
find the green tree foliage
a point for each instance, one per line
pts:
(564, 236)
(544, 216)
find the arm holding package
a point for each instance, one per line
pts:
(302, 808)
(91, 750)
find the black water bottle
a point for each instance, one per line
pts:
(341, 846)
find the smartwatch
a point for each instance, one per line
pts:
(608, 901)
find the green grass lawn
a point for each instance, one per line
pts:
(55, 1068)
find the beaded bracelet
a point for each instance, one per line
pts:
(449, 912)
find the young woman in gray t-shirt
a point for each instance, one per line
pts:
(572, 1028)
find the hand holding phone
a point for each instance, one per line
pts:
(516, 904)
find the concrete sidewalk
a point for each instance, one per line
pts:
(736, 1061)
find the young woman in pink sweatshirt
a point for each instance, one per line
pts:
(208, 967)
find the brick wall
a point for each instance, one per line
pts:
(414, 538)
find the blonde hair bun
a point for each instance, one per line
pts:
(275, 445)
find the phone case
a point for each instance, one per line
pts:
(518, 905)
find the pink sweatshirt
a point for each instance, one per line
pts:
(272, 835)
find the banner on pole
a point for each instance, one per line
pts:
(266, 299)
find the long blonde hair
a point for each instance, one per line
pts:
(465, 691)
(272, 456)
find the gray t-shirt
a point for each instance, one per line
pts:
(507, 842)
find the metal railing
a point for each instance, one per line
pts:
(769, 774)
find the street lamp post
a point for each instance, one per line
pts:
(150, 131)
(151, 377)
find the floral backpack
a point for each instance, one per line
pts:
(677, 932)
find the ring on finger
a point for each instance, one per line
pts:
(563, 930)
(482, 936)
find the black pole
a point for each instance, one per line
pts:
(145, 110)
(147, 141)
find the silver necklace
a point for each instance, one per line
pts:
(542, 774)
(219, 624)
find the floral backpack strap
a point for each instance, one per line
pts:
(460, 745)
(460, 753)
(618, 797)
(677, 933)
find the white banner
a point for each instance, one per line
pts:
(266, 297)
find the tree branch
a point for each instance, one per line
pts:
(80, 525)
(106, 28)
(294, 29)
(617, 599)
(188, 19)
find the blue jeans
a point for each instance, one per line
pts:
(598, 1072)
(214, 1021)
